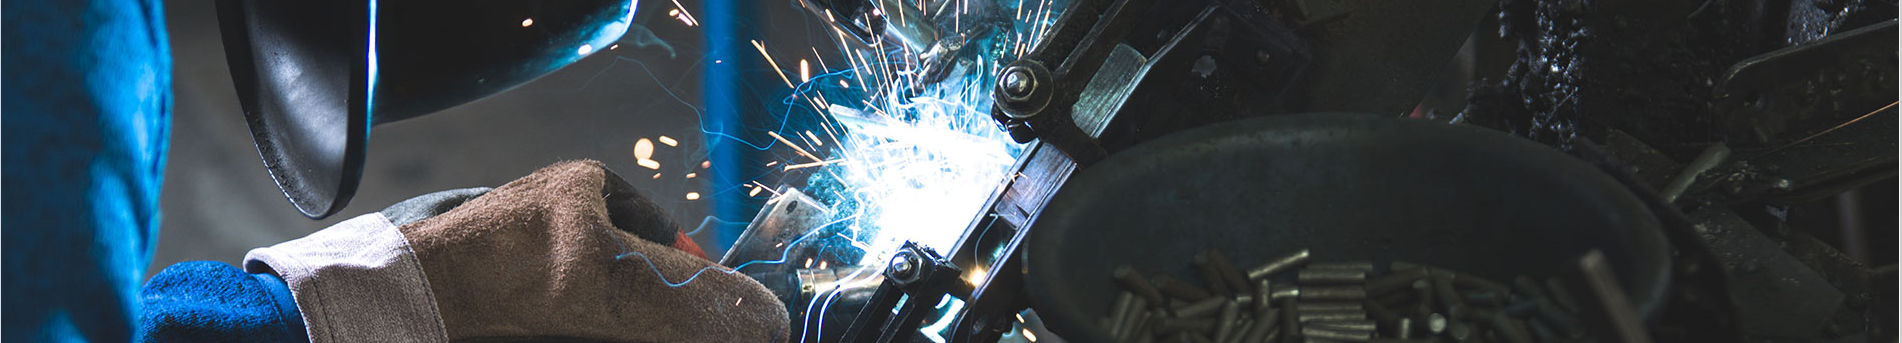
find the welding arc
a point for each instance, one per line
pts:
(1832, 129)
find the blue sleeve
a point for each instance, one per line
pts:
(205, 301)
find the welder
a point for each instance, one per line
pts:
(570, 252)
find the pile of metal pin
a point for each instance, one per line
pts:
(1338, 302)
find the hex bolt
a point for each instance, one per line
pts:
(1277, 265)
(903, 266)
(1135, 282)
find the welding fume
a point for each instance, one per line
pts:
(968, 171)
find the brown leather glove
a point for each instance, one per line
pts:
(560, 254)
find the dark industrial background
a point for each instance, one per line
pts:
(218, 201)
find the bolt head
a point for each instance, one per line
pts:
(902, 265)
(1017, 82)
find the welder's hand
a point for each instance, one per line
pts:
(571, 252)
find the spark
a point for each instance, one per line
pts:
(1020, 317)
(1030, 336)
(754, 192)
(643, 149)
(656, 176)
(769, 60)
(736, 303)
(693, 195)
(976, 277)
(691, 175)
(810, 165)
(802, 151)
(805, 71)
(669, 141)
(1832, 129)
(528, 22)
(584, 49)
(815, 138)
(706, 164)
(650, 164)
(683, 15)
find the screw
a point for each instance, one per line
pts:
(902, 266)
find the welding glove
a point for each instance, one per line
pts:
(570, 252)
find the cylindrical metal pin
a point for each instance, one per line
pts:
(1264, 295)
(1237, 282)
(1285, 292)
(1364, 266)
(1199, 326)
(1279, 264)
(1180, 290)
(1290, 320)
(1200, 309)
(1135, 283)
(1311, 316)
(1396, 281)
(1311, 331)
(1311, 276)
(1212, 275)
(1119, 312)
(1350, 325)
(1404, 328)
(1332, 307)
(1333, 293)
(1225, 324)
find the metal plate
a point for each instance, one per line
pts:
(1350, 187)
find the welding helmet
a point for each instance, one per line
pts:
(314, 76)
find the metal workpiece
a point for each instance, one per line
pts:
(1127, 328)
(1354, 325)
(1306, 316)
(1120, 311)
(1285, 292)
(1201, 308)
(1264, 295)
(1448, 298)
(1510, 329)
(1402, 328)
(1484, 298)
(1332, 293)
(1436, 323)
(1279, 264)
(1290, 320)
(1313, 276)
(1225, 323)
(1709, 158)
(1363, 266)
(1315, 331)
(1212, 275)
(1399, 279)
(1331, 307)
(1236, 281)
(1242, 329)
(1135, 283)
(1195, 325)
(1180, 290)
(1265, 323)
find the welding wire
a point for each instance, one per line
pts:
(1559, 295)
(1312, 331)
(1333, 293)
(1119, 311)
(1264, 295)
(1237, 281)
(1290, 320)
(1277, 265)
(1285, 292)
(1400, 279)
(1135, 282)
(1225, 324)
(1363, 266)
(1311, 276)
(1178, 289)
(1201, 308)
(1196, 325)
(1211, 275)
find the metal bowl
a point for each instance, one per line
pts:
(1351, 188)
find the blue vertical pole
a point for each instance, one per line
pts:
(729, 52)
